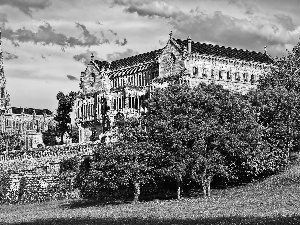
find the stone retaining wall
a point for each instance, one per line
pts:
(34, 175)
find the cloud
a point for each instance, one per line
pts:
(85, 57)
(114, 33)
(286, 21)
(252, 33)
(90, 39)
(3, 18)
(72, 78)
(120, 55)
(26, 6)
(9, 56)
(47, 35)
(122, 43)
(150, 9)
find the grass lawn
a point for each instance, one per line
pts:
(275, 200)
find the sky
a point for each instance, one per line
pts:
(47, 43)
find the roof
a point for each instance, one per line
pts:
(228, 52)
(133, 61)
(143, 61)
(19, 110)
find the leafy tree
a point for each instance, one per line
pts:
(11, 141)
(65, 104)
(184, 121)
(205, 131)
(127, 162)
(278, 101)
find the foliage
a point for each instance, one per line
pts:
(10, 141)
(278, 101)
(205, 131)
(126, 163)
(65, 104)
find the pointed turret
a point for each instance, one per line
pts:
(4, 97)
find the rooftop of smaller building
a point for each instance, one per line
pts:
(19, 110)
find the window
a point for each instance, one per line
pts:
(252, 79)
(228, 75)
(2, 92)
(220, 75)
(212, 74)
(93, 78)
(195, 71)
(245, 75)
(237, 76)
(204, 73)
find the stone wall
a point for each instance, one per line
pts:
(35, 176)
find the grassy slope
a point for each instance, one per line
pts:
(275, 200)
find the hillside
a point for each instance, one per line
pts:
(275, 200)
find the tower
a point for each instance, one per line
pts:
(4, 97)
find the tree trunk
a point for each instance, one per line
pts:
(178, 189)
(137, 192)
(62, 138)
(206, 181)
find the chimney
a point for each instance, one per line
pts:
(171, 34)
(189, 45)
(92, 57)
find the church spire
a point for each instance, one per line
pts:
(1, 54)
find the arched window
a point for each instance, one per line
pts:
(228, 75)
(212, 74)
(237, 76)
(204, 73)
(245, 76)
(252, 79)
(195, 71)
(220, 75)
(93, 77)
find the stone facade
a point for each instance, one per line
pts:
(29, 122)
(122, 85)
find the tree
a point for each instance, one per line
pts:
(278, 101)
(11, 141)
(185, 122)
(65, 104)
(127, 163)
(205, 131)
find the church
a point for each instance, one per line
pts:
(28, 122)
(119, 88)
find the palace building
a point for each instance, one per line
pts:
(28, 122)
(118, 88)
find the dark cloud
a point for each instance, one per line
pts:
(26, 6)
(90, 39)
(3, 18)
(286, 21)
(47, 35)
(252, 33)
(85, 57)
(120, 55)
(9, 56)
(122, 43)
(72, 78)
(150, 9)
(111, 31)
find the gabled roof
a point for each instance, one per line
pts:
(228, 52)
(146, 60)
(19, 110)
(132, 61)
